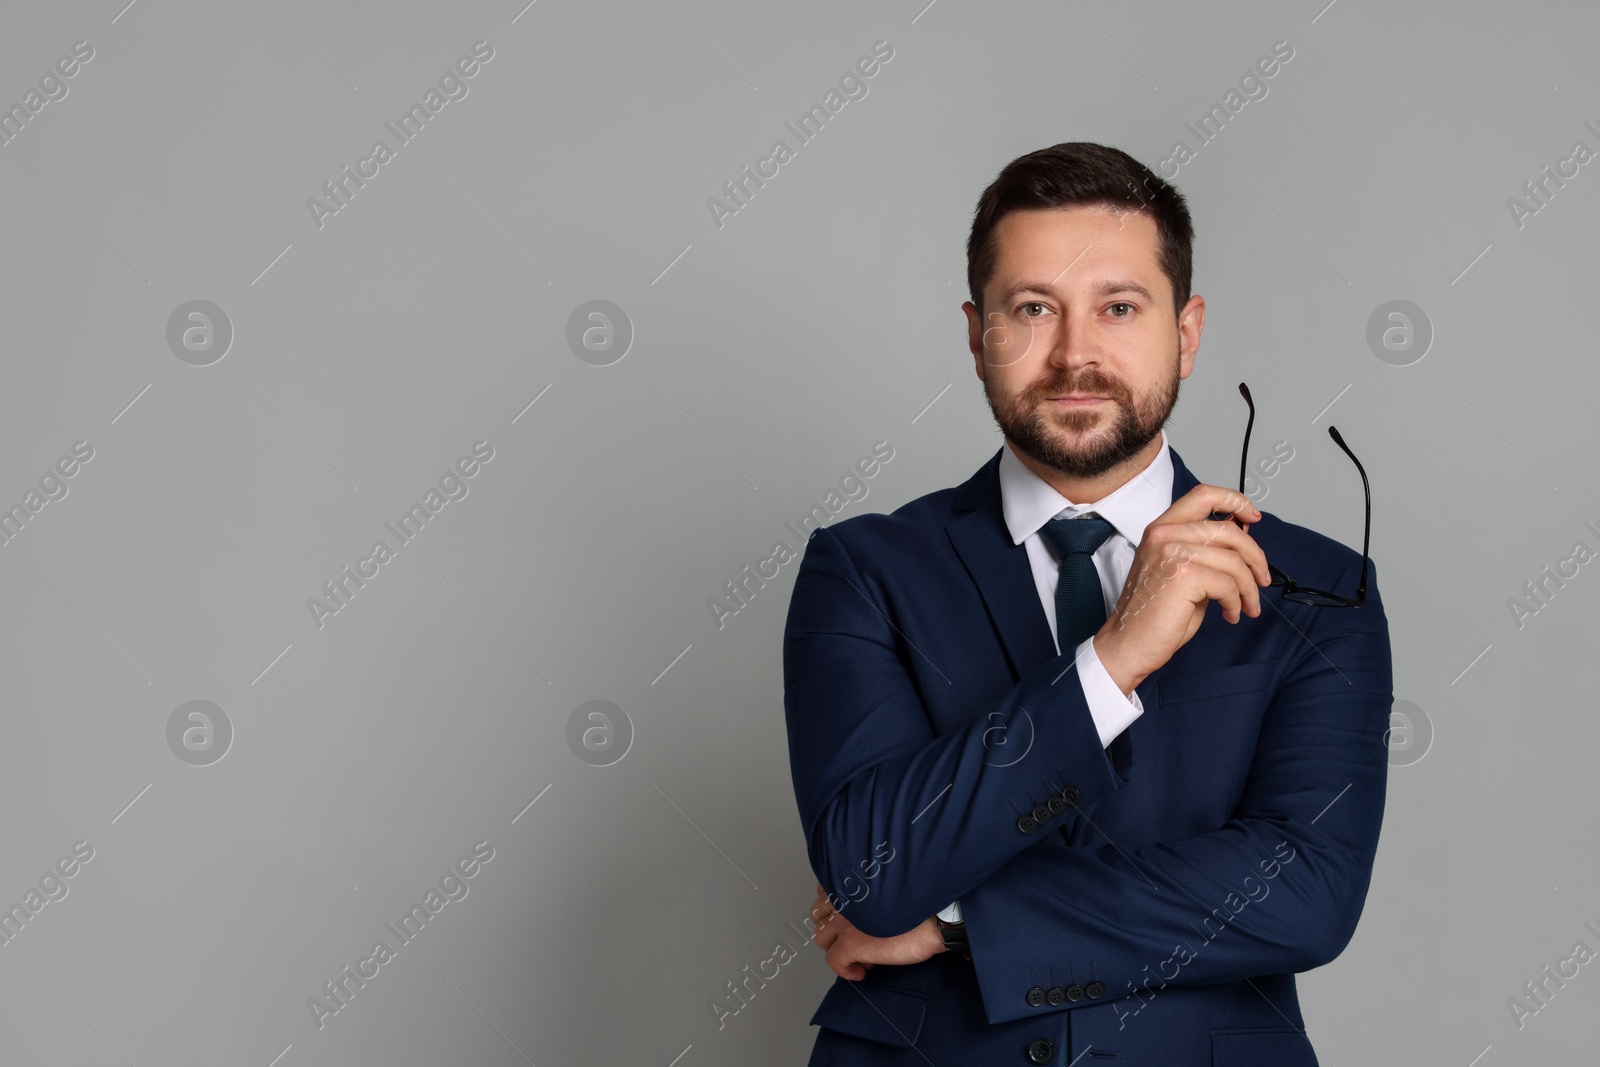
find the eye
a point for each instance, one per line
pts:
(1031, 304)
(1123, 304)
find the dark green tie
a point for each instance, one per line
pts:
(1080, 605)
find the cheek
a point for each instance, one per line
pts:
(1017, 347)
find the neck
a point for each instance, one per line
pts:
(1085, 490)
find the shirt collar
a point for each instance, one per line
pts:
(1028, 501)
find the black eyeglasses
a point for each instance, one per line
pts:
(1293, 590)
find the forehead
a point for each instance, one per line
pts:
(1089, 239)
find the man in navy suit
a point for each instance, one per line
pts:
(1079, 782)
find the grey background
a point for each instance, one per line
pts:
(768, 355)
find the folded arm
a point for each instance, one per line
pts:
(1111, 710)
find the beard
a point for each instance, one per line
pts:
(1058, 438)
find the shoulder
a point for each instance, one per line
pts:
(912, 524)
(909, 539)
(1306, 555)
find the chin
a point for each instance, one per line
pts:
(1065, 432)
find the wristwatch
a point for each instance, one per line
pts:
(955, 937)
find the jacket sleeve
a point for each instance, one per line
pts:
(1277, 889)
(898, 822)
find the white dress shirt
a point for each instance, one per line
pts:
(1028, 502)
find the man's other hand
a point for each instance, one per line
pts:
(852, 953)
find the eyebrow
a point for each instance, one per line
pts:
(1103, 288)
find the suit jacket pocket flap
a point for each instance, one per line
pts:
(873, 1012)
(1252, 1048)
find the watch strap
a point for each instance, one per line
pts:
(954, 936)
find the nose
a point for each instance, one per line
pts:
(1073, 346)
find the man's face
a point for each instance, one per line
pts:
(1078, 306)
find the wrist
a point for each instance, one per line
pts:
(1110, 655)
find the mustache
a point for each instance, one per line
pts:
(1085, 383)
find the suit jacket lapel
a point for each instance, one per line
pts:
(1000, 570)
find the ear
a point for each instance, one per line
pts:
(975, 336)
(1190, 322)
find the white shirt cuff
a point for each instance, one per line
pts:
(951, 914)
(1112, 712)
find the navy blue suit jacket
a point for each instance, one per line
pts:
(1149, 902)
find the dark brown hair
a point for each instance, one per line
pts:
(1077, 173)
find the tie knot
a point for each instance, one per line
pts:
(1083, 534)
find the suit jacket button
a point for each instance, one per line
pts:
(1035, 997)
(1071, 795)
(1027, 825)
(1055, 996)
(1041, 814)
(1056, 805)
(1096, 990)
(1039, 1051)
(1075, 992)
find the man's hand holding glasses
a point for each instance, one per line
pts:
(1187, 558)
(1183, 562)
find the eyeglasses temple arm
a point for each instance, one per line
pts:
(1366, 526)
(1244, 453)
